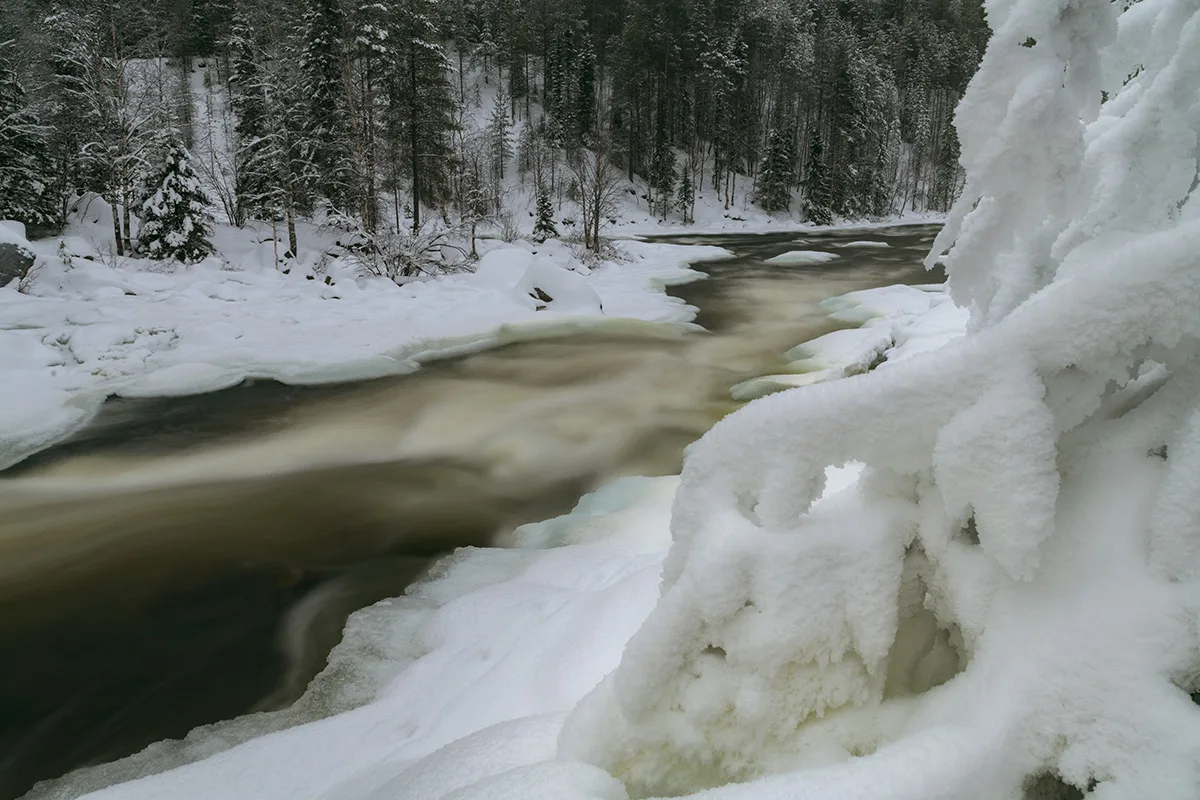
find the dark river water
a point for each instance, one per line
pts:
(188, 560)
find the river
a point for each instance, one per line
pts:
(187, 560)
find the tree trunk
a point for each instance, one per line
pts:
(414, 160)
(291, 225)
(116, 217)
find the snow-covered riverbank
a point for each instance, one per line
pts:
(87, 327)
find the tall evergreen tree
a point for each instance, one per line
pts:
(818, 194)
(326, 135)
(774, 181)
(248, 97)
(423, 104)
(685, 200)
(544, 227)
(176, 213)
(499, 136)
(25, 165)
(662, 174)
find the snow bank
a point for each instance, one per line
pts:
(87, 328)
(795, 257)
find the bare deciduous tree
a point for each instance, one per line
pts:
(598, 182)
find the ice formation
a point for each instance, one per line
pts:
(794, 257)
(1008, 602)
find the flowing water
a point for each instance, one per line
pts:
(187, 560)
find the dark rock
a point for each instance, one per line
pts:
(15, 262)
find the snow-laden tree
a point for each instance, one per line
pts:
(325, 140)
(26, 169)
(818, 191)
(773, 190)
(176, 213)
(543, 227)
(1007, 603)
(499, 135)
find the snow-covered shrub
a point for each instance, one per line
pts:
(392, 254)
(1009, 598)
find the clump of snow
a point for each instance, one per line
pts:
(795, 257)
(868, 243)
(1008, 596)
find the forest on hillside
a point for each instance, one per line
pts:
(370, 111)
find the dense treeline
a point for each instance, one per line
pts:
(360, 107)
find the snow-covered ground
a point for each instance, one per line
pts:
(89, 325)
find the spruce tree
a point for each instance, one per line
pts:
(422, 104)
(544, 228)
(686, 199)
(176, 216)
(499, 136)
(25, 165)
(326, 136)
(662, 174)
(252, 137)
(773, 191)
(818, 194)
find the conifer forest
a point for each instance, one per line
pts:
(371, 110)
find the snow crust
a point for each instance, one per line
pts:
(87, 327)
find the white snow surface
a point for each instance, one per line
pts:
(95, 327)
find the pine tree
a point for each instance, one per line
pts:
(818, 194)
(326, 137)
(773, 192)
(544, 228)
(176, 216)
(25, 165)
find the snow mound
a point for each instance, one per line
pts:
(867, 243)
(796, 257)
